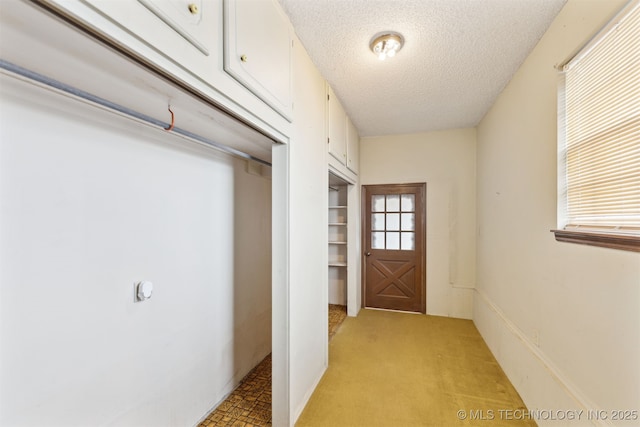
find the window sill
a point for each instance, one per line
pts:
(605, 240)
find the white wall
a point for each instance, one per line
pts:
(354, 249)
(300, 216)
(90, 203)
(580, 304)
(445, 160)
(308, 233)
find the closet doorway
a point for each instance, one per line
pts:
(338, 240)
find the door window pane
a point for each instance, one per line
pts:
(377, 222)
(393, 203)
(377, 240)
(393, 241)
(377, 203)
(408, 222)
(393, 222)
(408, 241)
(408, 202)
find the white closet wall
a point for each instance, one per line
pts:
(91, 202)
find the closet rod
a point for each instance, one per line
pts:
(55, 84)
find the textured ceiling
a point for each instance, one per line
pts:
(457, 58)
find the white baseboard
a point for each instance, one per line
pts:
(541, 384)
(307, 396)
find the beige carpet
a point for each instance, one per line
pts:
(393, 369)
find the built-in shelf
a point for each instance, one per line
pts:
(337, 238)
(337, 264)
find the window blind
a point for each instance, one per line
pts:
(601, 130)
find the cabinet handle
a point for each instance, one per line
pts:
(193, 8)
(244, 58)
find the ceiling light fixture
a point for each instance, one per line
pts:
(386, 44)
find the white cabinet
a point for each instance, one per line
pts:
(342, 137)
(184, 31)
(336, 127)
(184, 41)
(185, 18)
(258, 43)
(353, 147)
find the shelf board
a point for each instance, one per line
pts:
(337, 207)
(337, 223)
(337, 243)
(337, 264)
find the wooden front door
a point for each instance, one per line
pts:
(394, 247)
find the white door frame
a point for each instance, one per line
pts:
(280, 309)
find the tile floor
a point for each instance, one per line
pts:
(337, 313)
(250, 403)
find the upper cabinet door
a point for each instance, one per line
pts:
(336, 127)
(353, 147)
(184, 17)
(183, 31)
(257, 52)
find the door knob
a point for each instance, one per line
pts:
(368, 253)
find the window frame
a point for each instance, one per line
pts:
(623, 238)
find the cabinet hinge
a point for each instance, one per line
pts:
(328, 139)
(327, 97)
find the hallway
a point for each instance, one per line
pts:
(391, 369)
(399, 369)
